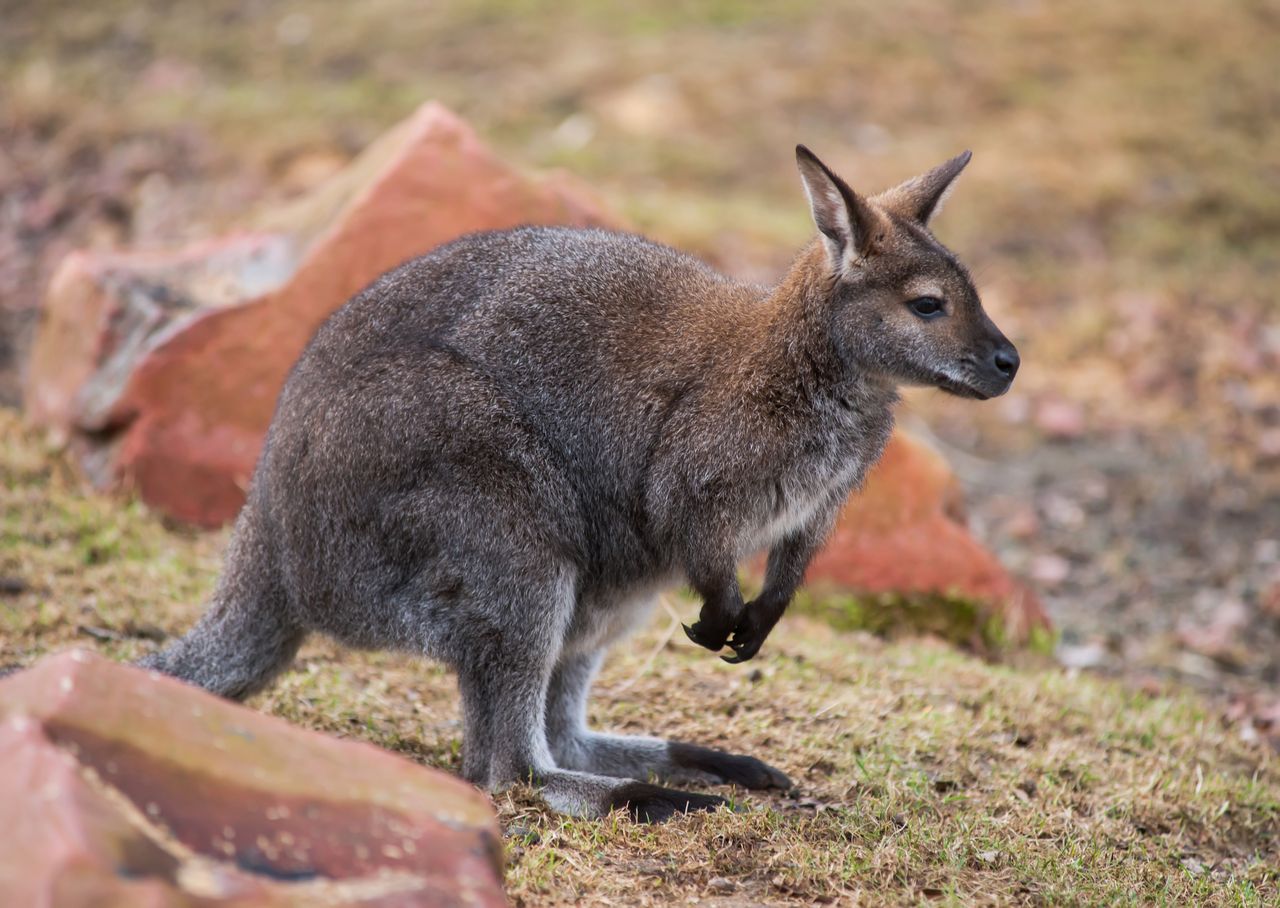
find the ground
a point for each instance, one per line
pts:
(1121, 218)
(922, 772)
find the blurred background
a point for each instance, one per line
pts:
(1121, 216)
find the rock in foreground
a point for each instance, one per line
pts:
(122, 788)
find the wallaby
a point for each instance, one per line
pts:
(497, 454)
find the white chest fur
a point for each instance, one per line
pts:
(795, 501)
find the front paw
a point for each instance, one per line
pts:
(745, 644)
(747, 639)
(708, 634)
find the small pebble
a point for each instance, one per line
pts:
(524, 834)
(721, 884)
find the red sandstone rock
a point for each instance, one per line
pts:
(174, 400)
(904, 533)
(122, 788)
(104, 311)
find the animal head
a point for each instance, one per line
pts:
(902, 306)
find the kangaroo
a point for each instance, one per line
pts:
(497, 454)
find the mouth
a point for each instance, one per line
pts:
(959, 389)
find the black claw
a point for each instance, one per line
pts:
(743, 650)
(734, 769)
(780, 780)
(699, 635)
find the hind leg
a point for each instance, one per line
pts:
(635, 756)
(504, 680)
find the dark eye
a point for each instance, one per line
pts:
(927, 306)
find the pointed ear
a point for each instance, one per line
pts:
(921, 198)
(849, 225)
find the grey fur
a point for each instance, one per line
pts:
(496, 454)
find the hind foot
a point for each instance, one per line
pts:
(648, 803)
(726, 768)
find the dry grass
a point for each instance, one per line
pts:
(923, 773)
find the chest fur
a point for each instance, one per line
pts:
(818, 477)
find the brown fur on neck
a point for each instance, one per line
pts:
(791, 347)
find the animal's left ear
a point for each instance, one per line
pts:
(920, 198)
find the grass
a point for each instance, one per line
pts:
(951, 618)
(923, 773)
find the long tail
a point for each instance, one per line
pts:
(247, 636)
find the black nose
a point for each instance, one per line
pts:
(1005, 359)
